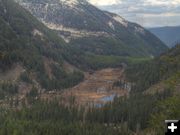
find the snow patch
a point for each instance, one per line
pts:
(139, 30)
(70, 3)
(74, 33)
(111, 25)
(36, 32)
(120, 20)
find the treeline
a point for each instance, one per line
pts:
(61, 79)
(124, 116)
(133, 112)
(49, 118)
(7, 89)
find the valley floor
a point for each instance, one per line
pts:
(97, 88)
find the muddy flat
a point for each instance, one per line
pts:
(97, 87)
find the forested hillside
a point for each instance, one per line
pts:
(26, 42)
(159, 76)
(155, 71)
(142, 112)
(34, 60)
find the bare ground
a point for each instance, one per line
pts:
(13, 74)
(94, 87)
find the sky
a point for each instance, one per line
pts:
(148, 13)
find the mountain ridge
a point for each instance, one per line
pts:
(86, 21)
(169, 34)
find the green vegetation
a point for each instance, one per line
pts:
(33, 92)
(164, 70)
(131, 47)
(25, 40)
(139, 113)
(152, 72)
(118, 39)
(66, 81)
(48, 119)
(32, 96)
(123, 116)
(166, 109)
(25, 77)
(7, 88)
(103, 61)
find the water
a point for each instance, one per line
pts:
(108, 98)
(105, 100)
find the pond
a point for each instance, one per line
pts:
(105, 100)
(108, 98)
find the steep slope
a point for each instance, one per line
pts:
(93, 30)
(164, 69)
(156, 90)
(31, 55)
(169, 35)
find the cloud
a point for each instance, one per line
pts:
(163, 2)
(149, 13)
(104, 2)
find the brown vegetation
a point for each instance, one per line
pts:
(95, 86)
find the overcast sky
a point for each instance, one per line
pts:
(148, 13)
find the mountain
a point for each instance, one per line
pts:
(32, 56)
(92, 30)
(169, 35)
(34, 59)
